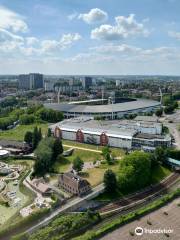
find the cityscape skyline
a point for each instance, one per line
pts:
(96, 37)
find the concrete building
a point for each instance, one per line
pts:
(30, 81)
(112, 133)
(74, 184)
(87, 82)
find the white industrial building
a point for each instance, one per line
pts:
(123, 134)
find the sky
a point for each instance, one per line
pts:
(103, 37)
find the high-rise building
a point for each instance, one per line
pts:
(24, 81)
(31, 81)
(87, 82)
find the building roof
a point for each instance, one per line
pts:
(74, 180)
(118, 107)
(147, 118)
(152, 136)
(89, 126)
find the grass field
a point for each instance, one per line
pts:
(115, 151)
(19, 132)
(93, 175)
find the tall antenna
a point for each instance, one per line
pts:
(112, 110)
(59, 95)
(102, 91)
(161, 95)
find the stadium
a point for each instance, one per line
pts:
(105, 108)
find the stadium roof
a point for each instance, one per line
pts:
(118, 107)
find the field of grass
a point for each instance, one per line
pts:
(117, 152)
(93, 175)
(19, 132)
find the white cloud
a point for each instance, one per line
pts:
(9, 42)
(13, 44)
(175, 35)
(116, 49)
(6, 36)
(66, 41)
(12, 21)
(126, 53)
(31, 40)
(123, 28)
(95, 15)
(72, 16)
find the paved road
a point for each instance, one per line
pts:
(173, 122)
(175, 132)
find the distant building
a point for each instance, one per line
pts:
(49, 85)
(74, 184)
(31, 81)
(24, 81)
(87, 82)
(118, 82)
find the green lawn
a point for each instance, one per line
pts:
(86, 156)
(117, 152)
(19, 132)
(95, 175)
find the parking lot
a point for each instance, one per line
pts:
(165, 219)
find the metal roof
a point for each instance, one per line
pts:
(118, 107)
(95, 127)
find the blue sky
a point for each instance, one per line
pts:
(90, 36)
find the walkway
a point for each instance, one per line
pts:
(81, 148)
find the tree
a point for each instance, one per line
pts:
(135, 171)
(43, 162)
(159, 112)
(27, 119)
(35, 138)
(39, 134)
(160, 154)
(49, 115)
(110, 181)
(57, 149)
(167, 100)
(105, 151)
(78, 164)
(28, 137)
(49, 132)
(169, 109)
(108, 159)
(175, 104)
